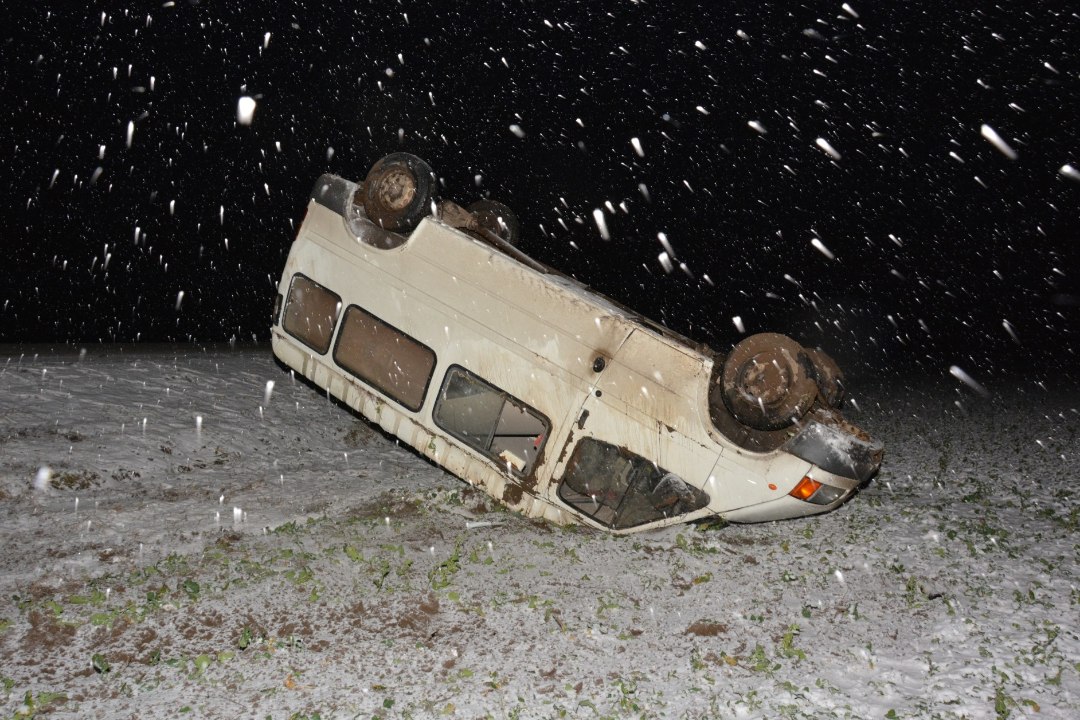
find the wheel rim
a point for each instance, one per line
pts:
(394, 190)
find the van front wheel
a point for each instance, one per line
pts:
(765, 386)
(397, 192)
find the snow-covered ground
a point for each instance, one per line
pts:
(183, 540)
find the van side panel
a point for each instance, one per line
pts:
(440, 449)
(373, 280)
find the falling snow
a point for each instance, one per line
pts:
(820, 247)
(587, 125)
(757, 127)
(245, 110)
(996, 140)
(601, 223)
(665, 262)
(963, 377)
(828, 148)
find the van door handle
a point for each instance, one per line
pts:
(581, 420)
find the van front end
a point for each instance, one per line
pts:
(837, 459)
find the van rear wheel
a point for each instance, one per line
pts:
(764, 384)
(397, 192)
(497, 218)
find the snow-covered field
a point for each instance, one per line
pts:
(182, 540)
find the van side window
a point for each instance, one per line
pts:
(311, 312)
(384, 357)
(490, 420)
(620, 489)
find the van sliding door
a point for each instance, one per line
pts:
(624, 467)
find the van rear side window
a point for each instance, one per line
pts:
(490, 420)
(384, 357)
(621, 489)
(311, 313)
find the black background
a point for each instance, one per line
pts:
(939, 238)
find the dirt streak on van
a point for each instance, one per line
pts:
(555, 400)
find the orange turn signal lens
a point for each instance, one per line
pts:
(806, 487)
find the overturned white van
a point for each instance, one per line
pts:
(556, 401)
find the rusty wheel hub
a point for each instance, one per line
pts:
(766, 377)
(395, 190)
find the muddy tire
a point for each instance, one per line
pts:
(764, 384)
(497, 218)
(827, 375)
(397, 192)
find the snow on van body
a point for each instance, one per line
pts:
(555, 400)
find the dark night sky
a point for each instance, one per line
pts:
(939, 238)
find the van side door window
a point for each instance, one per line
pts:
(621, 489)
(491, 421)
